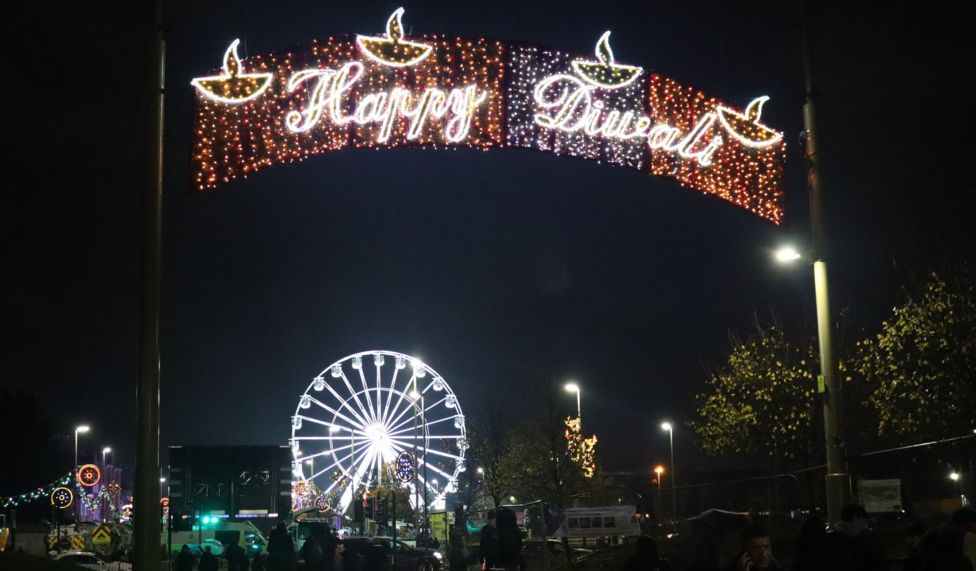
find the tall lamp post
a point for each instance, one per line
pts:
(105, 451)
(837, 482)
(574, 388)
(674, 493)
(79, 430)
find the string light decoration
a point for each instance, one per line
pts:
(393, 49)
(232, 86)
(37, 493)
(453, 97)
(746, 176)
(437, 92)
(93, 502)
(605, 72)
(581, 450)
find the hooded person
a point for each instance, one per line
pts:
(852, 536)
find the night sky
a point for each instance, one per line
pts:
(493, 267)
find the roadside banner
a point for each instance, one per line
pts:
(880, 496)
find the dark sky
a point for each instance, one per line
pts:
(492, 267)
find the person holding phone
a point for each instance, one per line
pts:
(757, 551)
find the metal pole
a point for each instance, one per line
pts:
(393, 509)
(837, 481)
(146, 532)
(76, 449)
(674, 492)
(579, 412)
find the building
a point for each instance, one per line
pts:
(229, 482)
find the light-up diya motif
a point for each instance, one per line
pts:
(605, 72)
(392, 49)
(233, 86)
(746, 127)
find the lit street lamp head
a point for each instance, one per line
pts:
(82, 429)
(572, 387)
(106, 450)
(787, 254)
(666, 426)
(954, 476)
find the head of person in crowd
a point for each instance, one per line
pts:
(854, 519)
(913, 536)
(757, 546)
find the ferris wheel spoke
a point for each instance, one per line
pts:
(341, 400)
(430, 450)
(421, 437)
(400, 400)
(435, 468)
(358, 423)
(331, 486)
(394, 431)
(322, 422)
(436, 403)
(379, 394)
(337, 462)
(389, 396)
(369, 400)
(355, 396)
(362, 467)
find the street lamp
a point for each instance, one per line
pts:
(674, 494)
(574, 388)
(481, 470)
(105, 451)
(79, 430)
(659, 471)
(837, 481)
(954, 476)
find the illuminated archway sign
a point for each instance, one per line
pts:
(435, 91)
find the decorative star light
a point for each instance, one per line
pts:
(233, 86)
(392, 49)
(745, 127)
(605, 72)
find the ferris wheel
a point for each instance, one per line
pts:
(366, 413)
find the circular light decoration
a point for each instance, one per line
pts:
(363, 413)
(322, 503)
(62, 498)
(404, 467)
(89, 475)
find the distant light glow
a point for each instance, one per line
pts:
(666, 426)
(954, 476)
(572, 388)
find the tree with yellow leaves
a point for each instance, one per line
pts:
(763, 399)
(921, 365)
